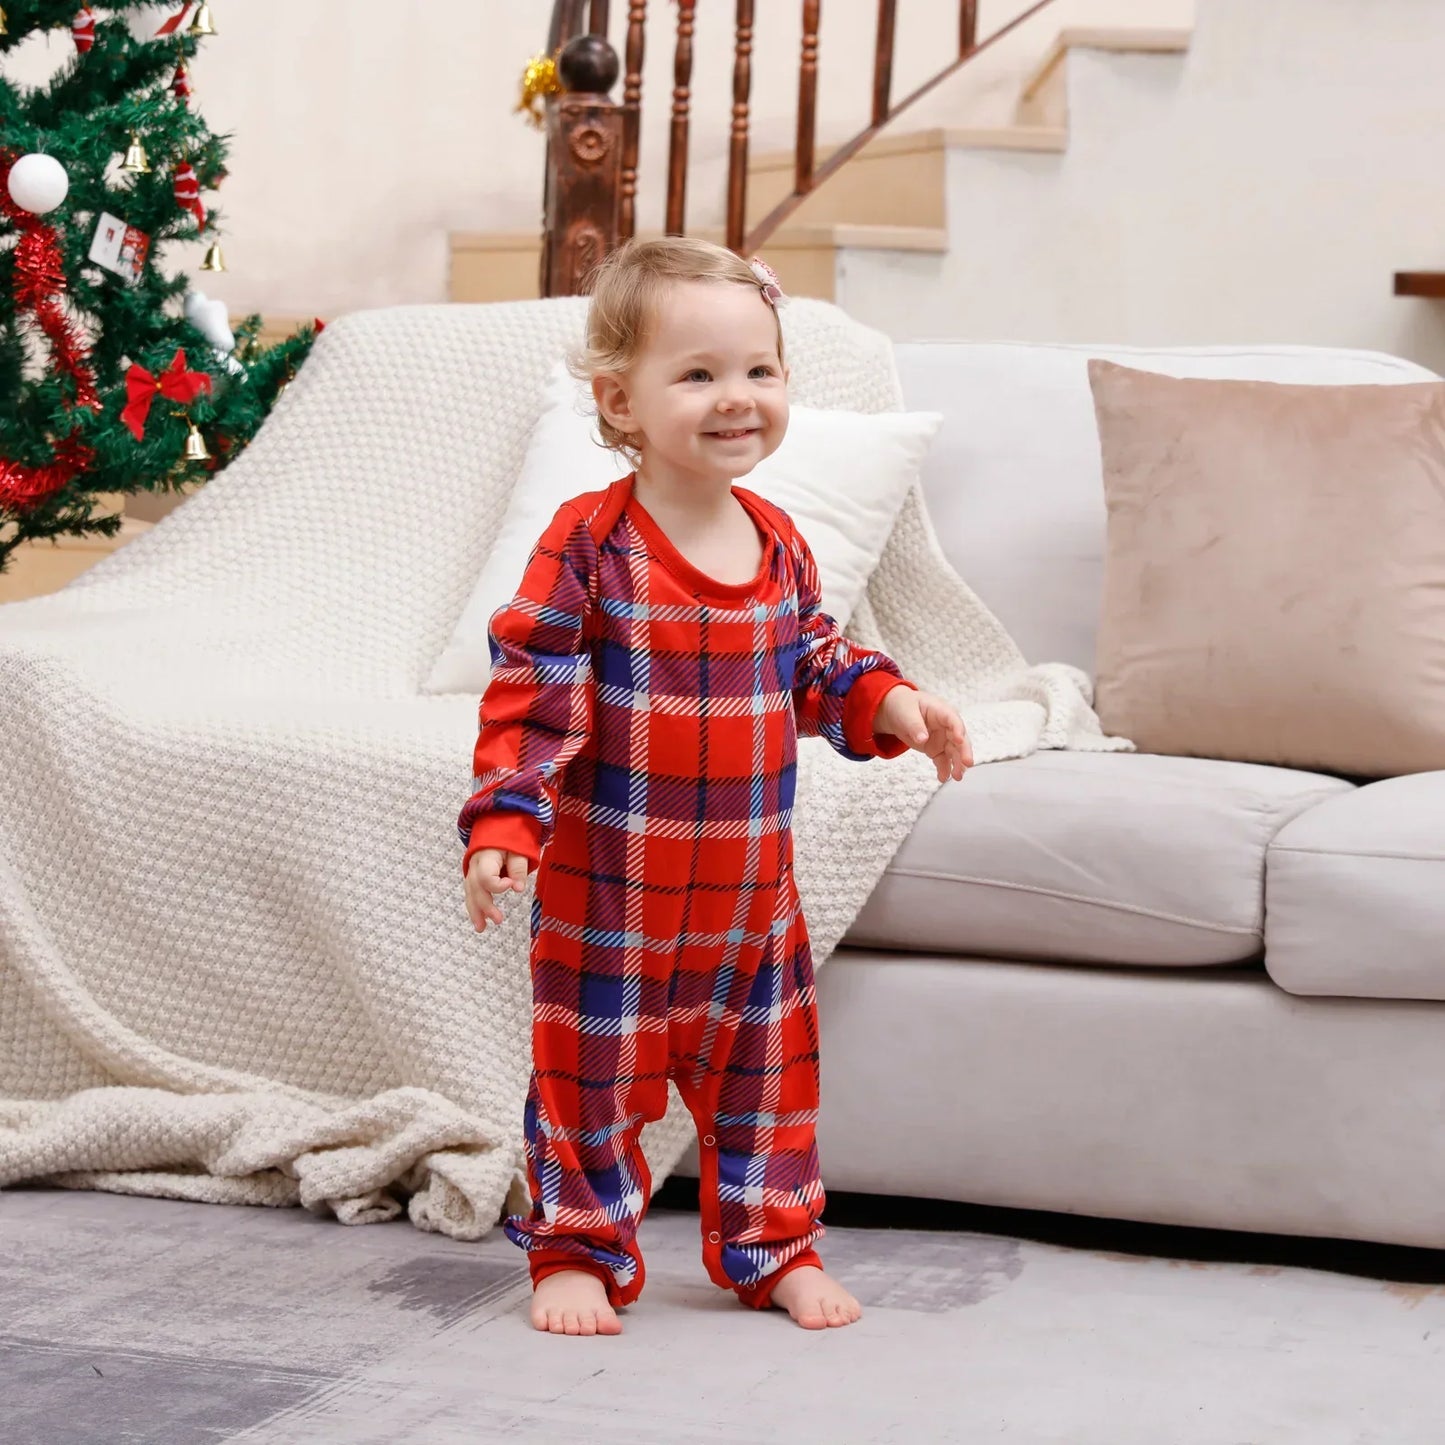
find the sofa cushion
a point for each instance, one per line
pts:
(1013, 479)
(1272, 587)
(1091, 858)
(1355, 894)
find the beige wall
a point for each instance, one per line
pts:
(365, 131)
(1262, 188)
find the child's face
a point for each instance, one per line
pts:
(708, 398)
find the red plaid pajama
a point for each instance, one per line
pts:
(641, 723)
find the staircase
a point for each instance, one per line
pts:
(889, 201)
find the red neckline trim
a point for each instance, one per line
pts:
(695, 580)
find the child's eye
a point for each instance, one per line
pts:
(761, 371)
(698, 374)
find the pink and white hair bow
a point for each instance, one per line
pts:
(768, 280)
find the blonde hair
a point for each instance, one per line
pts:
(626, 289)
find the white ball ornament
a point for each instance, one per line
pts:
(38, 183)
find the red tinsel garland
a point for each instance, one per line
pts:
(39, 283)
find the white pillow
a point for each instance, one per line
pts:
(841, 475)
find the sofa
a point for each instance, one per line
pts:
(1164, 989)
(1155, 988)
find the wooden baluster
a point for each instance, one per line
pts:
(600, 17)
(883, 60)
(807, 99)
(632, 114)
(681, 112)
(738, 144)
(967, 26)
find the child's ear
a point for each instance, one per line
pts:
(613, 403)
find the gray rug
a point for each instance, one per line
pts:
(136, 1320)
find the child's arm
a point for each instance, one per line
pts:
(537, 710)
(857, 699)
(838, 685)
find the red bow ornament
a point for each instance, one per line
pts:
(177, 384)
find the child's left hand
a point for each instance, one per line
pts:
(927, 723)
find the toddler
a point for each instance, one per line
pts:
(637, 749)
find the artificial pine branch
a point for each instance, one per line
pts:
(83, 117)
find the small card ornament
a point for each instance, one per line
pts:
(119, 248)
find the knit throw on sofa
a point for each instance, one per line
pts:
(235, 964)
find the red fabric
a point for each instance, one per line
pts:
(864, 699)
(760, 1296)
(511, 832)
(176, 384)
(640, 731)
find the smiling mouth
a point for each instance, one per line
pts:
(734, 435)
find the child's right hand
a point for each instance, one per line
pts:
(492, 872)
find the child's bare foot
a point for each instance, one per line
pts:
(573, 1302)
(814, 1300)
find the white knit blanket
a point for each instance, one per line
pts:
(235, 963)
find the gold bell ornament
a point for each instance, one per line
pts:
(4, 29)
(202, 25)
(136, 160)
(196, 445)
(214, 261)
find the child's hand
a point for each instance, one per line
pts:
(928, 724)
(491, 872)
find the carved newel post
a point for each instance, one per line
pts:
(584, 142)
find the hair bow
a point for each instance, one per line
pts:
(768, 280)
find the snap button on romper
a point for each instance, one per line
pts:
(642, 722)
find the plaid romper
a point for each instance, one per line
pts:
(637, 744)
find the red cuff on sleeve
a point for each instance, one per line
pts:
(511, 832)
(860, 708)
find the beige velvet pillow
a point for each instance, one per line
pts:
(1274, 585)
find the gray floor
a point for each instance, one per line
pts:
(148, 1320)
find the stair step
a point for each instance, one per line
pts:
(503, 265)
(1043, 99)
(896, 179)
(1046, 138)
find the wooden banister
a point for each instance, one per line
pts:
(883, 59)
(807, 98)
(584, 177)
(738, 138)
(590, 190)
(845, 152)
(967, 26)
(681, 111)
(632, 115)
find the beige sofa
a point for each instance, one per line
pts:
(1153, 988)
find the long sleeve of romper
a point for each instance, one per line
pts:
(838, 685)
(537, 711)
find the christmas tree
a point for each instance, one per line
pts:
(114, 376)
